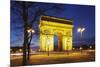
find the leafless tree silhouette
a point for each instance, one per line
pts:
(22, 8)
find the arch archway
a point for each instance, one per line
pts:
(51, 26)
(55, 42)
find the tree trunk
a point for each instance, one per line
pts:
(25, 18)
(29, 43)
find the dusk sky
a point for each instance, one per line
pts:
(82, 15)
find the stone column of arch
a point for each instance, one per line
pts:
(46, 42)
(67, 41)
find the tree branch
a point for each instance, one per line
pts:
(41, 11)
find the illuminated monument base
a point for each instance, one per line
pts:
(62, 28)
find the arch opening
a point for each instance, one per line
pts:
(55, 42)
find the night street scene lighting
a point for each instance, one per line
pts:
(51, 33)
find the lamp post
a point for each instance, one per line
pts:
(90, 47)
(20, 50)
(81, 30)
(67, 46)
(73, 49)
(48, 43)
(81, 49)
(30, 32)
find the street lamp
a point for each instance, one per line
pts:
(81, 30)
(73, 48)
(20, 50)
(67, 47)
(90, 47)
(30, 32)
(81, 49)
(48, 43)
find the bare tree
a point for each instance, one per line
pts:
(22, 8)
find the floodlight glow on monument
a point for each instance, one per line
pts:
(50, 26)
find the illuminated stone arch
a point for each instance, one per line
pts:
(49, 26)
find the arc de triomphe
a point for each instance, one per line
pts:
(62, 28)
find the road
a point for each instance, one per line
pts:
(55, 57)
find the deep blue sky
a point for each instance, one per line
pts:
(82, 15)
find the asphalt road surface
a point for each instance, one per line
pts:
(55, 58)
